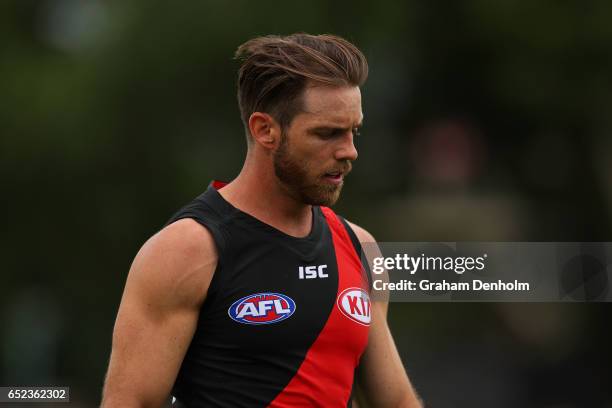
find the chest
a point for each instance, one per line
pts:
(273, 297)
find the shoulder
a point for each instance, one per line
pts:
(371, 252)
(185, 239)
(179, 261)
(362, 234)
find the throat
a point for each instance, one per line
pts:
(297, 225)
(279, 211)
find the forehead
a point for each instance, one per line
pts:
(334, 105)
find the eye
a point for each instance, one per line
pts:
(324, 134)
(329, 133)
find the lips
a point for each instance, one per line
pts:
(334, 177)
(337, 174)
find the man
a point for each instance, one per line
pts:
(254, 294)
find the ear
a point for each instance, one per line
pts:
(264, 129)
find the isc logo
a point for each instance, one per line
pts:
(262, 308)
(354, 303)
(312, 272)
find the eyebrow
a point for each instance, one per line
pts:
(334, 128)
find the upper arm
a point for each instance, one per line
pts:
(371, 251)
(381, 374)
(165, 288)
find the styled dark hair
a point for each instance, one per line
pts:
(274, 71)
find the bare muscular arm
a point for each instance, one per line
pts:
(382, 377)
(165, 288)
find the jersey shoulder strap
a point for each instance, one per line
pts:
(206, 215)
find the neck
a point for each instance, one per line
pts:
(257, 192)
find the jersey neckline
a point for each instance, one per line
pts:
(228, 208)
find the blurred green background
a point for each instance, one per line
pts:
(484, 120)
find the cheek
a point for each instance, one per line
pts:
(325, 154)
(311, 151)
(323, 149)
(318, 158)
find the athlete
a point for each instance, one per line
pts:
(254, 294)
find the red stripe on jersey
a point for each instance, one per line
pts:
(325, 377)
(218, 185)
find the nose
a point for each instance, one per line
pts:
(347, 149)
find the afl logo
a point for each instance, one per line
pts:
(262, 308)
(354, 303)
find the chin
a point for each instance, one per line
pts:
(322, 196)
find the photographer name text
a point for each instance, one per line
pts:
(445, 286)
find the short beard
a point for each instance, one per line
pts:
(292, 174)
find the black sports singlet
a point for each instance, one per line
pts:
(285, 320)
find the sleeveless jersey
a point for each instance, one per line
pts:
(285, 320)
